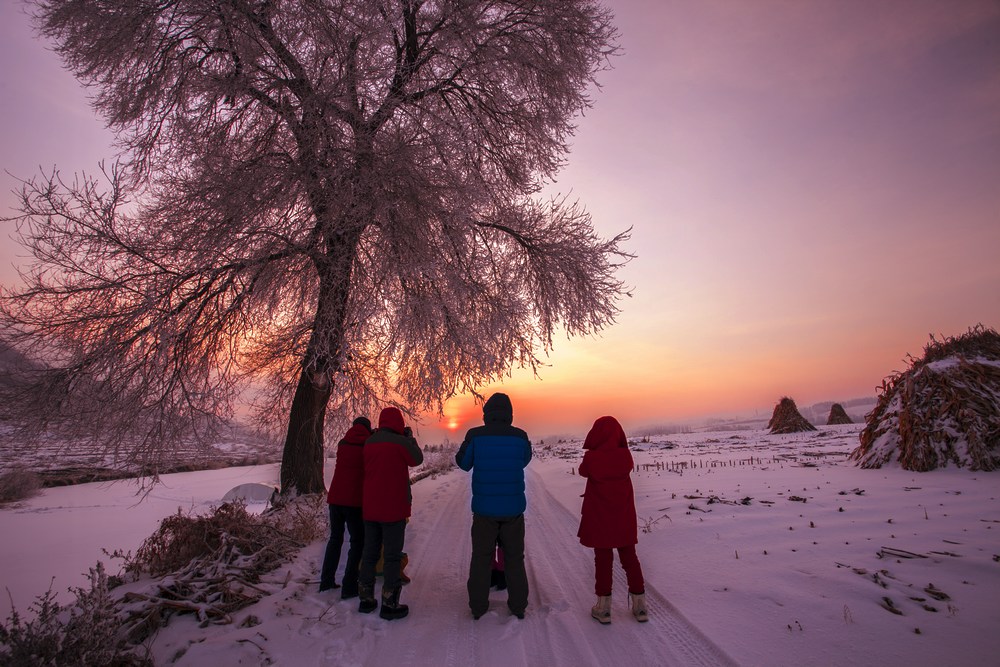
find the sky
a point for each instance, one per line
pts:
(811, 187)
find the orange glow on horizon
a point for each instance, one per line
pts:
(643, 386)
(459, 414)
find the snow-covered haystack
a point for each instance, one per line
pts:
(787, 418)
(946, 407)
(838, 415)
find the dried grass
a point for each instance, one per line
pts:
(212, 565)
(86, 632)
(18, 484)
(787, 418)
(978, 341)
(838, 415)
(944, 409)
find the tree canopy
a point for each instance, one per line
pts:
(337, 201)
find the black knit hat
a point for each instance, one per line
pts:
(364, 422)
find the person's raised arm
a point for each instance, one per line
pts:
(464, 456)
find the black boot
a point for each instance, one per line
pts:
(391, 609)
(367, 595)
(350, 588)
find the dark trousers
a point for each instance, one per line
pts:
(386, 538)
(603, 560)
(342, 517)
(487, 532)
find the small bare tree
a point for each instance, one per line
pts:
(337, 200)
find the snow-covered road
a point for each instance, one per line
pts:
(297, 625)
(557, 629)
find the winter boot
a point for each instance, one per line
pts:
(391, 609)
(367, 595)
(350, 587)
(348, 592)
(602, 610)
(638, 603)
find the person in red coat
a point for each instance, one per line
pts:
(344, 499)
(389, 453)
(608, 519)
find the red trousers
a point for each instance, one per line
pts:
(604, 558)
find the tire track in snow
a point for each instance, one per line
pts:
(562, 586)
(439, 547)
(557, 630)
(667, 639)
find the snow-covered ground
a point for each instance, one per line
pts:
(58, 459)
(757, 550)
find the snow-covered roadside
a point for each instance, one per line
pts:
(63, 531)
(795, 577)
(785, 579)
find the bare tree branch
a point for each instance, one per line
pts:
(331, 202)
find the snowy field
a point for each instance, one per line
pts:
(61, 462)
(757, 550)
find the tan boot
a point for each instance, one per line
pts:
(638, 603)
(602, 610)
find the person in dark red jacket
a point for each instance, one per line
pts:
(389, 453)
(344, 498)
(608, 519)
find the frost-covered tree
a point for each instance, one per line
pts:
(336, 200)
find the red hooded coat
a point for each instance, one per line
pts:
(388, 456)
(349, 470)
(608, 518)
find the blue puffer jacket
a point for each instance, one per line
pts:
(497, 454)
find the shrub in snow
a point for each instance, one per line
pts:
(437, 461)
(18, 484)
(944, 408)
(87, 632)
(212, 565)
(787, 418)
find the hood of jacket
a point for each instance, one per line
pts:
(357, 434)
(498, 410)
(392, 419)
(606, 432)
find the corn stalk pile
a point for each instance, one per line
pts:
(786, 418)
(838, 415)
(944, 409)
(213, 565)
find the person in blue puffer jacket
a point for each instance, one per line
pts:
(497, 454)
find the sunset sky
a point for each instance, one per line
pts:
(813, 186)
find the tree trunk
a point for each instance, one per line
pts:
(302, 459)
